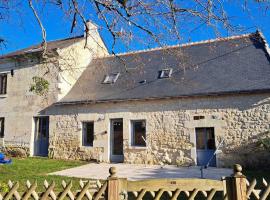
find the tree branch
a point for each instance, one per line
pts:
(44, 41)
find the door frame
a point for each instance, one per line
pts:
(112, 157)
(214, 157)
(35, 150)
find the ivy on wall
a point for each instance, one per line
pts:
(40, 86)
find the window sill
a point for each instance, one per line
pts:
(137, 147)
(3, 96)
(87, 147)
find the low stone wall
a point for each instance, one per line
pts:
(15, 151)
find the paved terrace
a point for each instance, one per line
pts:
(138, 172)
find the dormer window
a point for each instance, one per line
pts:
(165, 73)
(111, 78)
(3, 84)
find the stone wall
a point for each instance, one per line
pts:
(19, 106)
(15, 151)
(240, 120)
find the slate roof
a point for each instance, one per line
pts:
(239, 64)
(51, 45)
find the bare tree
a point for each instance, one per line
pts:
(151, 22)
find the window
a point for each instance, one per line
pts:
(165, 73)
(198, 117)
(3, 83)
(138, 136)
(88, 133)
(2, 127)
(111, 78)
(205, 138)
(42, 127)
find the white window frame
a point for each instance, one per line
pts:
(111, 78)
(162, 73)
(132, 133)
(83, 138)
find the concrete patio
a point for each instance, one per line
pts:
(138, 172)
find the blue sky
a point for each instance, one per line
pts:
(21, 30)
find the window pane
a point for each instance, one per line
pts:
(117, 137)
(2, 124)
(3, 83)
(43, 127)
(200, 138)
(111, 78)
(210, 138)
(165, 73)
(139, 133)
(88, 133)
(205, 138)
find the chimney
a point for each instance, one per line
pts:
(92, 29)
(95, 41)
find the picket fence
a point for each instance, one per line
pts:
(235, 187)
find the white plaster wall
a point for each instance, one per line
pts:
(74, 59)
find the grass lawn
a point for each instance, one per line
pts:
(36, 169)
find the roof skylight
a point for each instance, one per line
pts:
(111, 78)
(165, 73)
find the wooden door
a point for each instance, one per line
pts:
(41, 136)
(205, 146)
(116, 140)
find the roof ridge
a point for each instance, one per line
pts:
(64, 39)
(218, 39)
(35, 47)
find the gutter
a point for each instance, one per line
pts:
(214, 94)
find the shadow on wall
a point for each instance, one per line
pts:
(254, 154)
(239, 102)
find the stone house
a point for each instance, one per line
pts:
(172, 105)
(19, 108)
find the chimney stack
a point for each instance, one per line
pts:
(92, 29)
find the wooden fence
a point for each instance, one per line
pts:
(235, 187)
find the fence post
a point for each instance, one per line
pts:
(236, 185)
(113, 190)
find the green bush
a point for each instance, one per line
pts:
(3, 187)
(265, 142)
